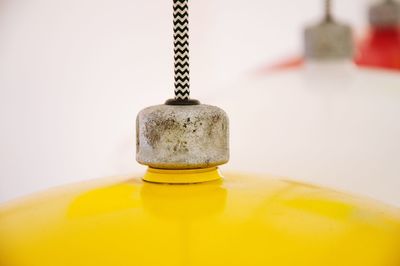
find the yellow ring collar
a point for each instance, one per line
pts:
(182, 176)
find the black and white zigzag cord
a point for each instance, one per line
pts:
(181, 49)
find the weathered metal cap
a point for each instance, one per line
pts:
(328, 40)
(385, 14)
(182, 136)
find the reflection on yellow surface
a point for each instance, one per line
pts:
(238, 220)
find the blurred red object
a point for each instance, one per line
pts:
(286, 64)
(381, 48)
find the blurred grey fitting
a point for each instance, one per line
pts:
(182, 136)
(385, 14)
(328, 40)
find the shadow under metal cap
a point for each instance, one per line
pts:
(328, 40)
(385, 14)
(182, 133)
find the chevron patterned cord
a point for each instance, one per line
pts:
(181, 49)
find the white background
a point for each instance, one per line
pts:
(74, 73)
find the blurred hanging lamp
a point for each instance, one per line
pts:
(182, 212)
(381, 46)
(323, 122)
(379, 49)
(326, 41)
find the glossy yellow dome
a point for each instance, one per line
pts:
(237, 220)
